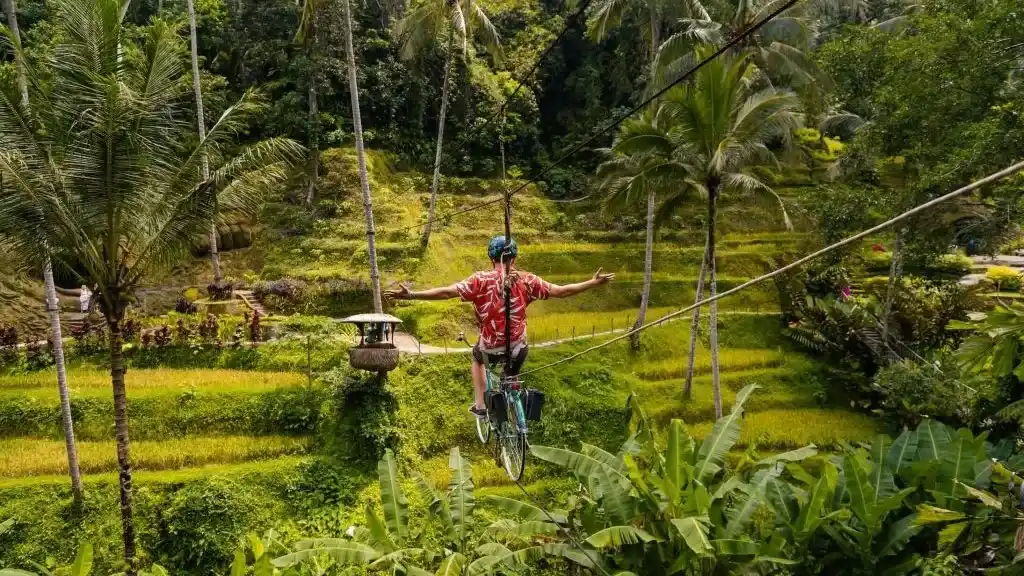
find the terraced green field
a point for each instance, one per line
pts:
(272, 434)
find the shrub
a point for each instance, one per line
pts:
(162, 337)
(363, 422)
(201, 525)
(878, 262)
(220, 292)
(284, 295)
(910, 391)
(209, 329)
(185, 306)
(8, 344)
(255, 331)
(1005, 278)
(38, 353)
(951, 266)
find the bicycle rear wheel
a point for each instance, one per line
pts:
(511, 439)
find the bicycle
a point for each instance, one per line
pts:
(506, 421)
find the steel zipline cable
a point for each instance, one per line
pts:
(739, 38)
(995, 177)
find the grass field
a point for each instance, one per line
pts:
(785, 429)
(30, 456)
(145, 381)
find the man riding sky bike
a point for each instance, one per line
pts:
(484, 291)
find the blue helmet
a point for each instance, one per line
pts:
(497, 246)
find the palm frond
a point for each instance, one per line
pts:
(605, 16)
(485, 32)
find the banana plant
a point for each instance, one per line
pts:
(389, 545)
(384, 544)
(82, 565)
(645, 510)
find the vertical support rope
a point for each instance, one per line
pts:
(506, 259)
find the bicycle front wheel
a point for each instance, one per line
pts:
(512, 439)
(483, 429)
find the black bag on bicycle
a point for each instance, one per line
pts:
(534, 404)
(496, 408)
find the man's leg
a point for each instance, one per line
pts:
(479, 382)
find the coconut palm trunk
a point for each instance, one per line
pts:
(655, 33)
(695, 323)
(12, 23)
(51, 303)
(357, 127)
(124, 466)
(712, 186)
(645, 296)
(201, 123)
(445, 94)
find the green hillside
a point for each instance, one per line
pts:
(204, 429)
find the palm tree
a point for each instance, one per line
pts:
(357, 127)
(201, 122)
(456, 23)
(105, 179)
(722, 126)
(640, 167)
(307, 36)
(51, 302)
(606, 15)
(778, 48)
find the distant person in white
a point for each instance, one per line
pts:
(85, 298)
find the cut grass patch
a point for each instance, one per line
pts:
(31, 456)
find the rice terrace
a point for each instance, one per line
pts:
(467, 287)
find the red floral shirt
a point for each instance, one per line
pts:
(484, 291)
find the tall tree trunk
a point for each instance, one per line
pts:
(51, 303)
(53, 310)
(124, 466)
(895, 270)
(357, 126)
(201, 124)
(655, 34)
(712, 213)
(445, 94)
(695, 323)
(645, 297)
(313, 162)
(12, 23)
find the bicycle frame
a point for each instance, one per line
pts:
(515, 394)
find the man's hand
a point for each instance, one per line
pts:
(601, 278)
(402, 293)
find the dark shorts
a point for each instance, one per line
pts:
(519, 353)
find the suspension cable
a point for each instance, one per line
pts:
(995, 177)
(739, 38)
(506, 258)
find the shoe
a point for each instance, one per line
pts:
(480, 413)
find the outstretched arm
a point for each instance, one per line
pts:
(580, 287)
(403, 293)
